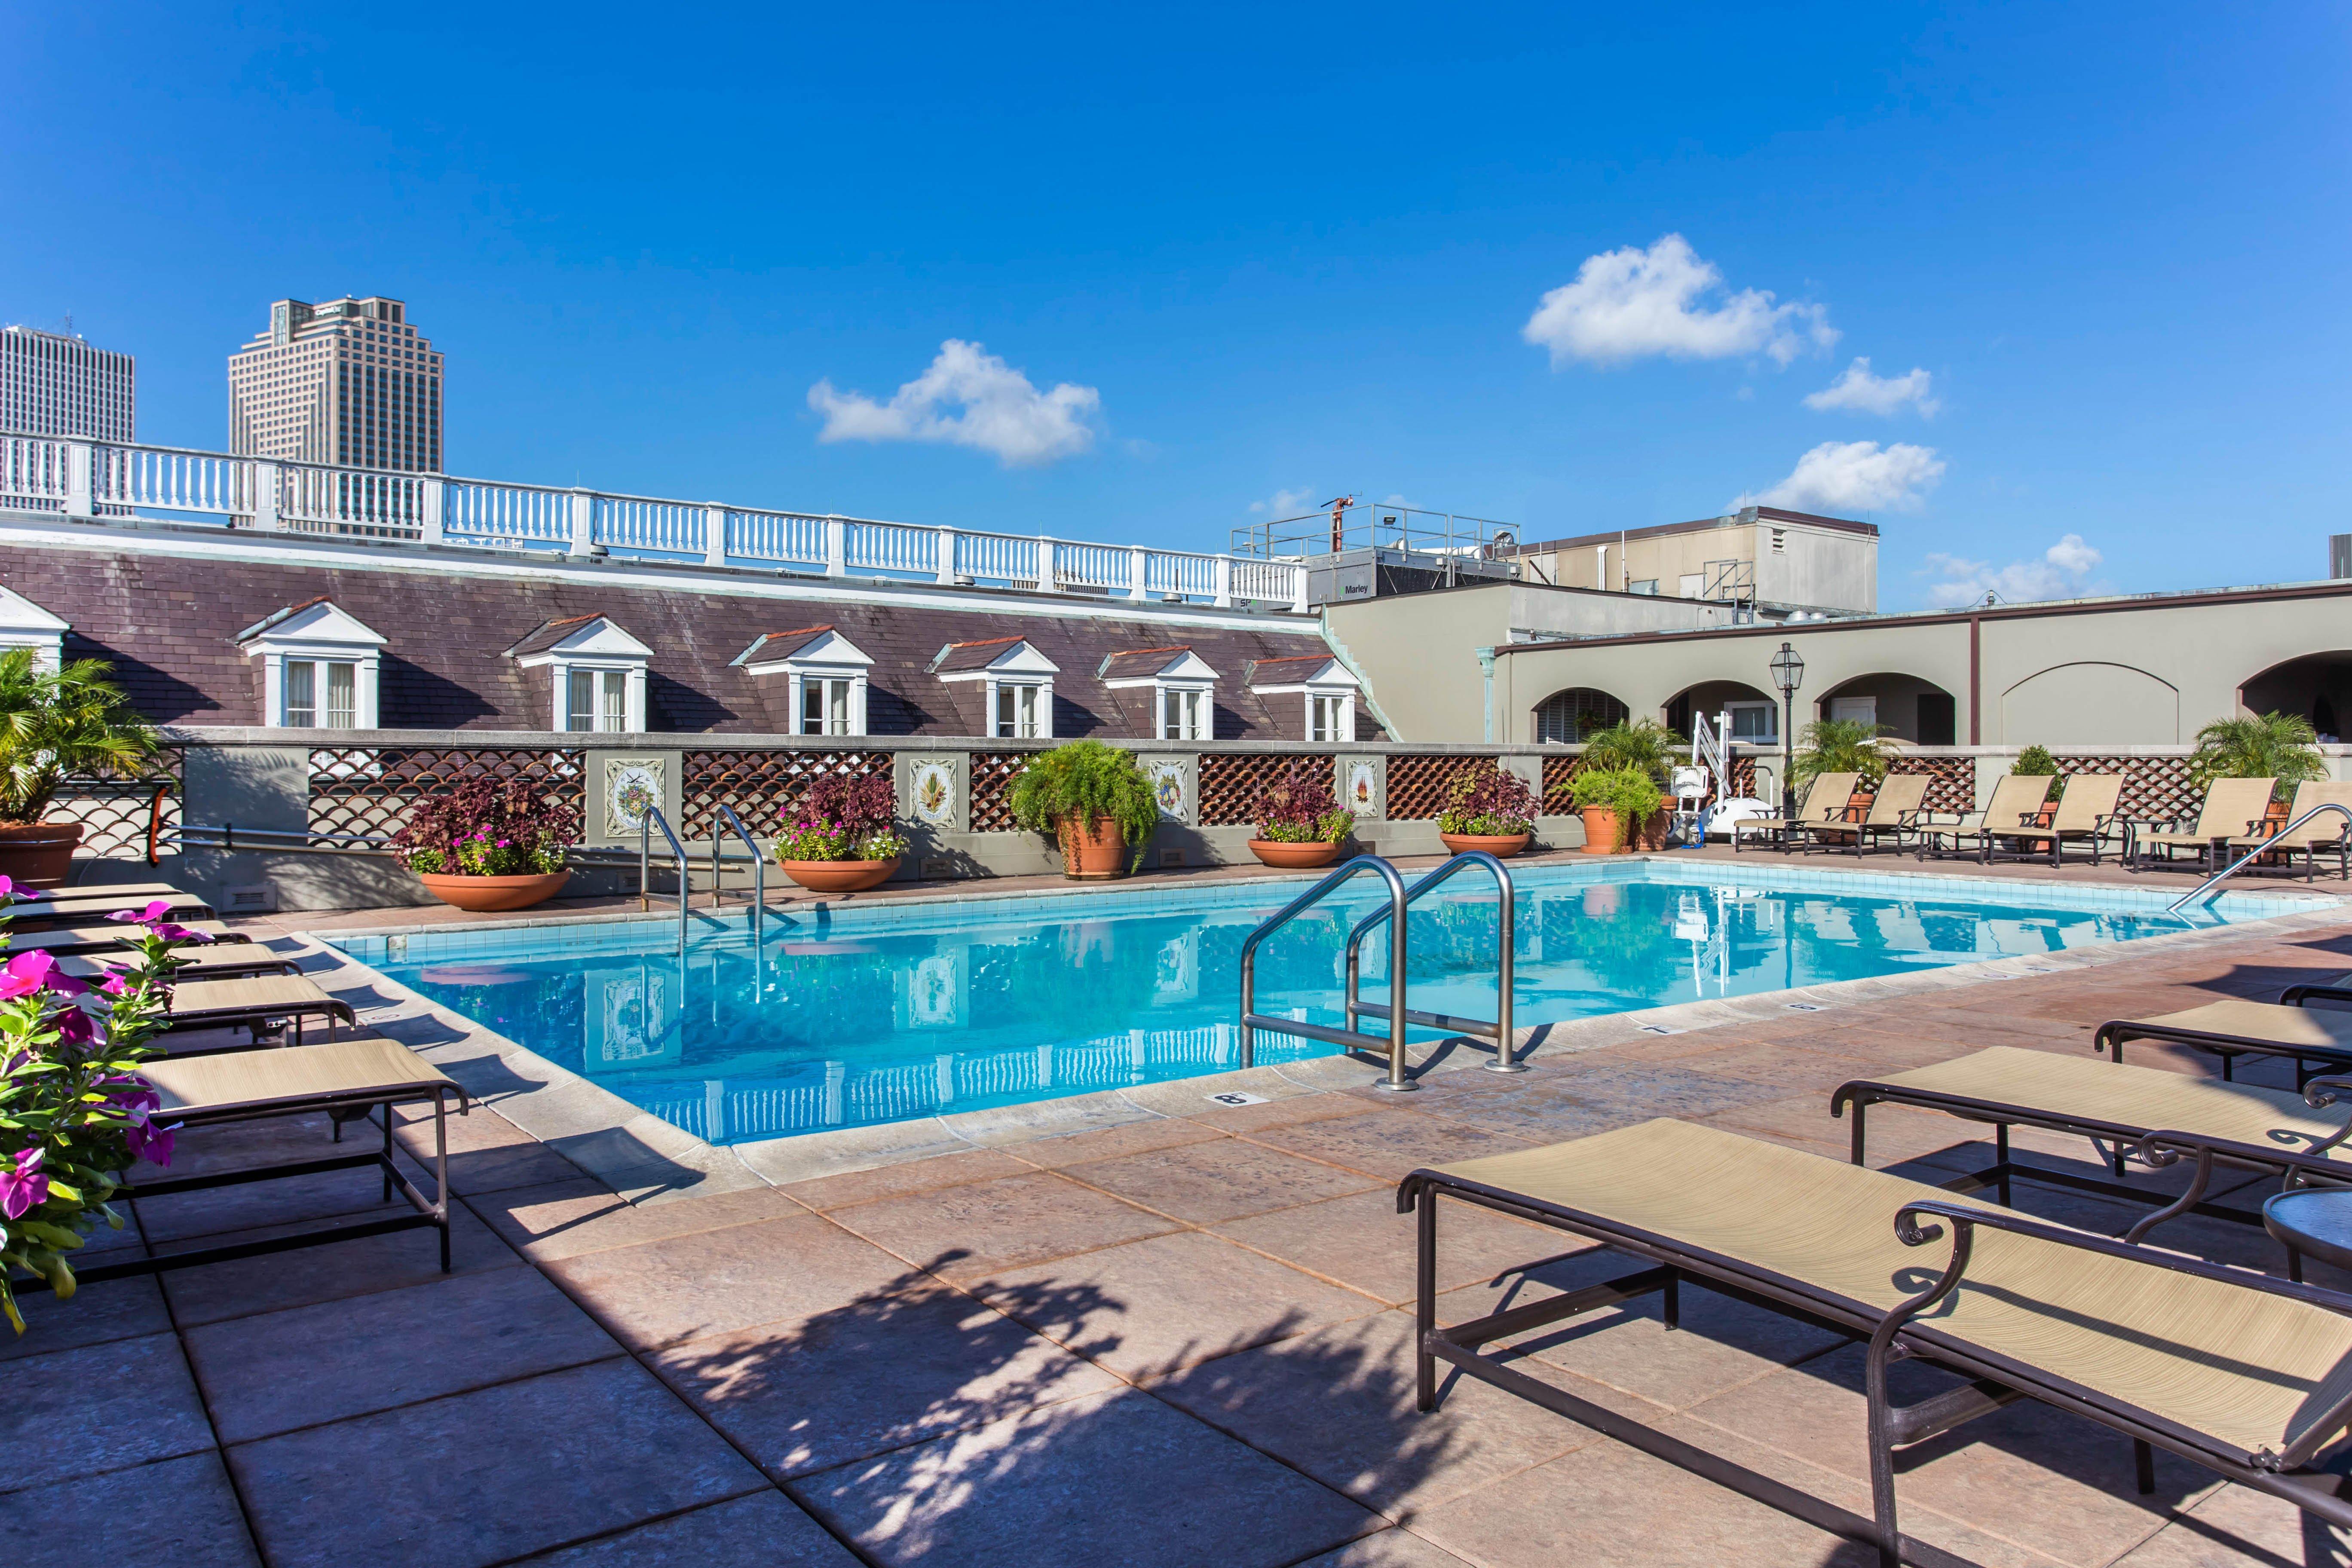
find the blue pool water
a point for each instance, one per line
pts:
(889, 1012)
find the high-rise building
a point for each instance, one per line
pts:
(52, 384)
(348, 383)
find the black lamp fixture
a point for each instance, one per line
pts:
(1788, 674)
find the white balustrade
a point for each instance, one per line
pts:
(1188, 576)
(169, 479)
(33, 471)
(632, 522)
(780, 536)
(473, 512)
(997, 558)
(1091, 566)
(892, 547)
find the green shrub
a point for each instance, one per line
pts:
(1843, 746)
(2276, 745)
(1082, 782)
(1484, 799)
(2035, 762)
(1632, 794)
(1642, 743)
(58, 721)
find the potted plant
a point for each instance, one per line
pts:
(488, 844)
(1611, 801)
(1845, 746)
(2036, 762)
(845, 837)
(1299, 821)
(54, 722)
(1093, 799)
(1649, 746)
(1489, 809)
(74, 1113)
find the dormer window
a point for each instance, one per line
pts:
(319, 667)
(595, 671)
(24, 624)
(1327, 688)
(1182, 686)
(825, 674)
(1017, 684)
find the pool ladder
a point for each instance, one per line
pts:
(1395, 1012)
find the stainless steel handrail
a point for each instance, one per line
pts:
(759, 868)
(304, 842)
(1498, 1027)
(646, 824)
(1252, 1020)
(2204, 889)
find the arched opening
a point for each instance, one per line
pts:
(1755, 714)
(2317, 686)
(1904, 706)
(1567, 717)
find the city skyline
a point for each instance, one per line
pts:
(60, 384)
(348, 382)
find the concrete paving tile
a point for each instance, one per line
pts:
(1224, 1179)
(880, 1373)
(486, 1167)
(1362, 1242)
(1338, 1404)
(569, 1219)
(967, 1232)
(2062, 1487)
(907, 1176)
(1389, 1549)
(1151, 1307)
(1115, 1478)
(1319, 1107)
(490, 1474)
(110, 1310)
(79, 1413)
(185, 1515)
(1386, 1144)
(713, 1281)
(330, 1271)
(291, 1200)
(2237, 1527)
(761, 1529)
(278, 1371)
(238, 1146)
(1109, 1142)
(806, 1156)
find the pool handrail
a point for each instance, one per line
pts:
(2204, 889)
(1252, 1020)
(647, 820)
(728, 818)
(1497, 1029)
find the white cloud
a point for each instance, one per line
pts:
(1628, 303)
(1856, 476)
(1866, 394)
(1286, 502)
(2059, 575)
(968, 397)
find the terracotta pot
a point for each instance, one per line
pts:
(38, 853)
(839, 876)
(1653, 829)
(1295, 857)
(483, 894)
(1599, 830)
(1093, 855)
(1501, 845)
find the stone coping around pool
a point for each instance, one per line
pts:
(647, 1160)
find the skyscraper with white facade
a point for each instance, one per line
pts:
(349, 382)
(52, 384)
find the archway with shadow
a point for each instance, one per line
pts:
(2314, 685)
(1904, 706)
(1756, 725)
(1568, 717)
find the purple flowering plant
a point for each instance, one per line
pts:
(1299, 808)
(488, 827)
(74, 1113)
(844, 818)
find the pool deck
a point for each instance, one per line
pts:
(1178, 1336)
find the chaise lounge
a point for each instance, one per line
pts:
(1894, 813)
(2233, 808)
(1825, 802)
(2086, 815)
(2016, 800)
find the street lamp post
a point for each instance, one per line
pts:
(1788, 674)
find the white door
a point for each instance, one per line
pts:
(1694, 584)
(1855, 710)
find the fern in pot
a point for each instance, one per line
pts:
(1095, 802)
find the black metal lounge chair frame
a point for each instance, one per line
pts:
(342, 1108)
(2230, 1047)
(1994, 1380)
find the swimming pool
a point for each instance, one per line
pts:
(899, 1010)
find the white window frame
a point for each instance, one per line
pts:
(321, 636)
(1771, 711)
(1344, 709)
(1021, 667)
(827, 662)
(1187, 677)
(1194, 718)
(1031, 710)
(1332, 681)
(598, 648)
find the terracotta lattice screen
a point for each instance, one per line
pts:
(116, 809)
(2154, 787)
(993, 772)
(761, 787)
(367, 790)
(1229, 783)
(1559, 776)
(1417, 785)
(1951, 781)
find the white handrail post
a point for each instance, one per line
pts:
(583, 520)
(1298, 589)
(836, 547)
(430, 498)
(1047, 581)
(946, 563)
(714, 536)
(1224, 583)
(79, 460)
(1135, 576)
(268, 497)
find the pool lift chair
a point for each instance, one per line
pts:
(1394, 1013)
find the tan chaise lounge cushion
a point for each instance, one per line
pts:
(2245, 1368)
(2266, 1022)
(255, 1079)
(2147, 1098)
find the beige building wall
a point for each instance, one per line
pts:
(1786, 560)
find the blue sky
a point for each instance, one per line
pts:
(1211, 256)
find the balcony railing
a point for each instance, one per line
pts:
(81, 478)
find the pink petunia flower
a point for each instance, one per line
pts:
(149, 1142)
(24, 973)
(8, 888)
(146, 917)
(23, 1187)
(75, 1027)
(171, 933)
